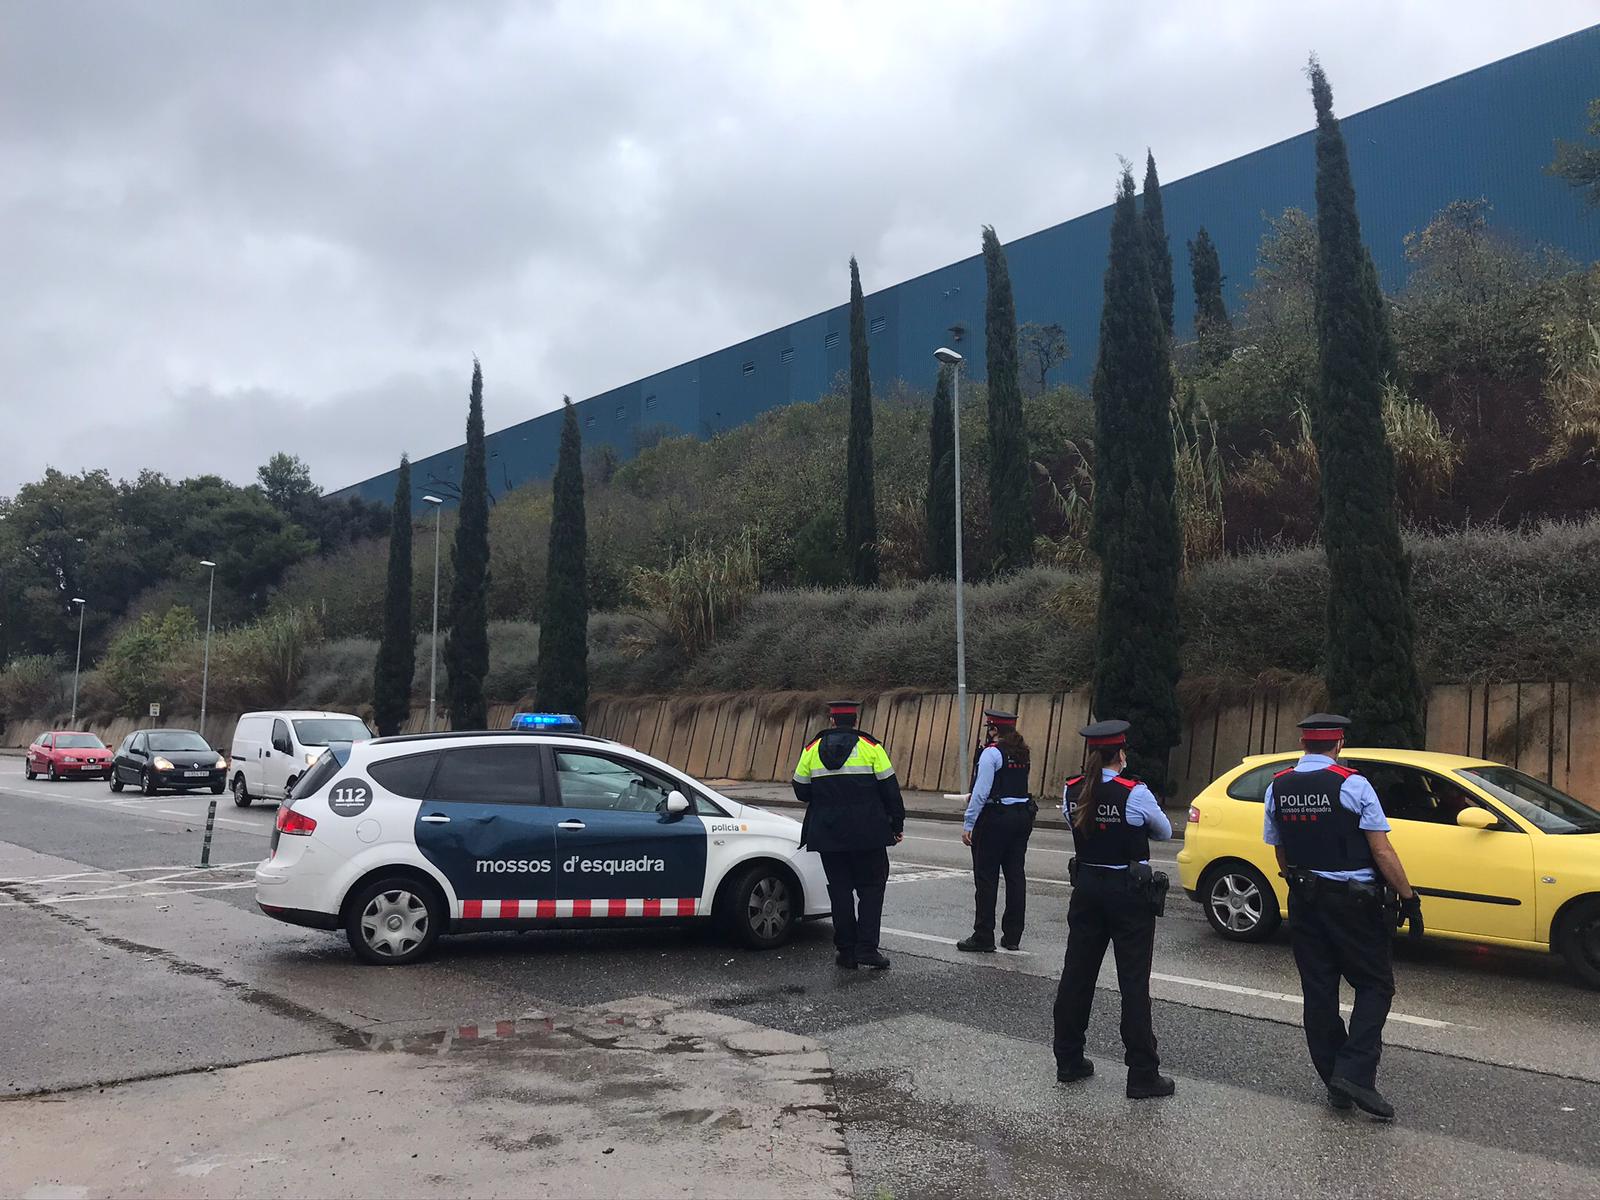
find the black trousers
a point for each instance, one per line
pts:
(1104, 910)
(1000, 845)
(856, 882)
(1335, 933)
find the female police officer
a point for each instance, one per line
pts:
(1113, 818)
(998, 822)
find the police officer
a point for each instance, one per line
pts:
(853, 814)
(1332, 837)
(1113, 817)
(997, 825)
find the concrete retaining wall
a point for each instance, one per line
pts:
(1547, 729)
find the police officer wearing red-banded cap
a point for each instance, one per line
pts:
(997, 825)
(1332, 838)
(854, 812)
(1113, 817)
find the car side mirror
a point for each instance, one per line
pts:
(677, 804)
(1476, 818)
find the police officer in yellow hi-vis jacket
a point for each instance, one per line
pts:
(853, 814)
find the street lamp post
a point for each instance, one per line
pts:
(433, 653)
(951, 359)
(78, 665)
(205, 657)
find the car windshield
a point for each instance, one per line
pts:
(321, 731)
(177, 739)
(1547, 808)
(78, 741)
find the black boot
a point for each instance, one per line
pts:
(1367, 1099)
(1150, 1086)
(1073, 1072)
(845, 959)
(873, 960)
(974, 942)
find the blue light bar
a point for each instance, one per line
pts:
(547, 722)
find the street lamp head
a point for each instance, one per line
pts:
(206, 562)
(432, 500)
(79, 600)
(947, 356)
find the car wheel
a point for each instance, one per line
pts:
(1580, 941)
(762, 907)
(394, 921)
(1239, 903)
(241, 794)
(147, 783)
(50, 773)
(28, 772)
(218, 788)
(114, 779)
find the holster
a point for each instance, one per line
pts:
(1150, 886)
(1072, 870)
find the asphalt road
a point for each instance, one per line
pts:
(119, 959)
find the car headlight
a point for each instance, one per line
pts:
(222, 764)
(68, 759)
(312, 756)
(161, 764)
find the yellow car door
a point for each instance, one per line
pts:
(1475, 883)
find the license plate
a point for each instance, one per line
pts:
(195, 774)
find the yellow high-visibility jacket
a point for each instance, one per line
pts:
(852, 798)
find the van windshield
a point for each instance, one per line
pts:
(320, 731)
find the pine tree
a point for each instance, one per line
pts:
(397, 647)
(860, 503)
(1212, 327)
(1135, 530)
(563, 685)
(1010, 483)
(466, 648)
(941, 510)
(1371, 668)
(1160, 252)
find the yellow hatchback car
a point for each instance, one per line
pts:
(1498, 856)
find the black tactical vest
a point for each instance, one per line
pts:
(1107, 839)
(1316, 832)
(1012, 778)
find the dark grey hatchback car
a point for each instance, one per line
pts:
(177, 760)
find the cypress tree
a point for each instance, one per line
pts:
(941, 510)
(1135, 529)
(397, 647)
(564, 627)
(1010, 487)
(1160, 252)
(466, 648)
(860, 504)
(1371, 669)
(1212, 327)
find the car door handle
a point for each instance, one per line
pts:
(571, 825)
(435, 819)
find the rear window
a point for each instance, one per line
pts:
(489, 775)
(1252, 785)
(408, 776)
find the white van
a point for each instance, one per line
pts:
(271, 750)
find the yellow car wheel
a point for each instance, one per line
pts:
(1579, 940)
(1240, 904)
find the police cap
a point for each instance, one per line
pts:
(1323, 727)
(1106, 733)
(844, 708)
(994, 716)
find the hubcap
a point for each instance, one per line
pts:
(768, 911)
(394, 923)
(1236, 903)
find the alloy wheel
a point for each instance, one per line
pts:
(1236, 902)
(768, 908)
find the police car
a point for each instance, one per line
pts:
(400, 839)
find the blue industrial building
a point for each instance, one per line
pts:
(1488, 133)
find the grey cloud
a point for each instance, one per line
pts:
(203, 204)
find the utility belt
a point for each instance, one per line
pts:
(1149, 886)
(1030, 804)
(1312, 886)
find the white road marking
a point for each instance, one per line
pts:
(109, 871)
(955, 841)
(220, 820)
(81, 898)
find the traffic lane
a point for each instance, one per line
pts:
(938, 843)
(1504, 1007)
(1487, 1109)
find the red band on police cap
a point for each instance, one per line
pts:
(1115, 739)
(843, 710)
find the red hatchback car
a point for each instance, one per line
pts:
(61, 754)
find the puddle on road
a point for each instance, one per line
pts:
(620, 1031)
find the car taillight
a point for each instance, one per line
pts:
(290, 821)
(1194, 815)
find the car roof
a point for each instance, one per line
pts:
(168, 729)
(59, 732)
(295, 713)
(452, 735)
(1407, 758)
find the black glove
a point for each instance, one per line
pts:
(1410, 911)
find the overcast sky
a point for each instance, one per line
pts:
(232, 228)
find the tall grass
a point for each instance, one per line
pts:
(701, 592)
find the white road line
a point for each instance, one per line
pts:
(233, 866)
(82, 898)
(954, 841)
(220, 820)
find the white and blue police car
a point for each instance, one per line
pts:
(399, 839)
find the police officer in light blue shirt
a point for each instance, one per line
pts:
(997, 825)
(1331, 837)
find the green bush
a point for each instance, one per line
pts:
(31, 686)
(138, 668)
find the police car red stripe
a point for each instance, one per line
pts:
(502, 910)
